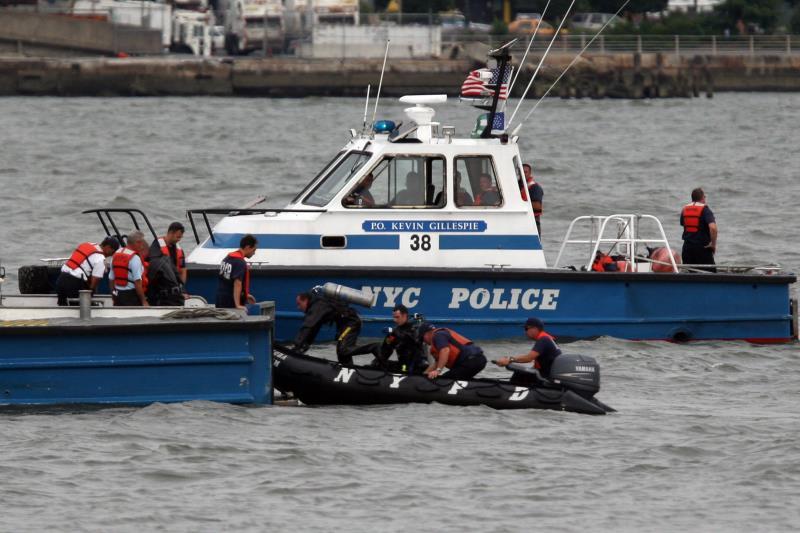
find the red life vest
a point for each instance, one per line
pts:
(457, 343)
(246, 285)
(81, 254)
(600, 262)
(120, 264)
(541, 335)
(145, 272)
(531, 182)
(178, 252)
(691, 216)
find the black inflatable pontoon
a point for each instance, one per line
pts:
(316, 381)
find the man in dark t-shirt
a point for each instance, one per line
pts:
(233, 287)
(543, 353)
(699, 232)
(535, 194)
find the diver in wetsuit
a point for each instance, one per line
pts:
(319, 311)
(403, 340)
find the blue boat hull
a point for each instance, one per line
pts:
(136, 362)
(574, 305)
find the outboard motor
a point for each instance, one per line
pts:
(578, 373)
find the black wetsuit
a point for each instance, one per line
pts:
(164, 281)
(323, 311)
(411, 357)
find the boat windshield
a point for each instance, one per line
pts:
(336, 179)
(321, 173)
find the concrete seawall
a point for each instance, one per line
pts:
(622, 75)
(62, 34)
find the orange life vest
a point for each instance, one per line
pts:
(456, 344)
(178, 252)
(691, 216)
(145, 272)
(246, 285)
(541, 335)
(600, 262)
(120, 264)
(531, 182)
(81, 254)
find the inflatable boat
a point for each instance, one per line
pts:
(574, 381)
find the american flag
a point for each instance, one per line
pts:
(480, 83)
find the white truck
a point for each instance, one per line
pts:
(191, 32)
(302, 16)
(254, 25)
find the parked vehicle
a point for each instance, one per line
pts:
(191, 32)
(217, 38)
(592, 22)
(254, 24)
(528, 26)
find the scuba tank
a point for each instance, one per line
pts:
(343, 293)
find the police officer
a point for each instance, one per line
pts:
(699, 232)
(535, 194)
(167, 269)
(127, 272)
(319, 311)
(84, 269)
(544, 352)
(233, 287)
(449, 349)
(403, 340)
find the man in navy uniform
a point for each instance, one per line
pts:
(461, 356)
(699, 232)
(233, 288)
(543, 353)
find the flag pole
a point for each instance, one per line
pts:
(504, 57)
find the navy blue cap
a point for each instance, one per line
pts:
(534, 322)
(424, 328)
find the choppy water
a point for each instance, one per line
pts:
(706, 438)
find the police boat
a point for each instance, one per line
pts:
(441, 223)
(574, 381)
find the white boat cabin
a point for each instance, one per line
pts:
(418, 198)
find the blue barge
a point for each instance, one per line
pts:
(132, 356)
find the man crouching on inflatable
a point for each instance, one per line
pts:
(449, 349)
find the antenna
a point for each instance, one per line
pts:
(530, 43)
(366, 106)
(541, 62)
(596, 35)
(380, 84)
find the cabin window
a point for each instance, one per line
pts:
(401, 181)
(331, 184)
(475, 182)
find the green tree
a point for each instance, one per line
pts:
(765, 13)
(794, 25)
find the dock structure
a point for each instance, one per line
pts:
(628, 75)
